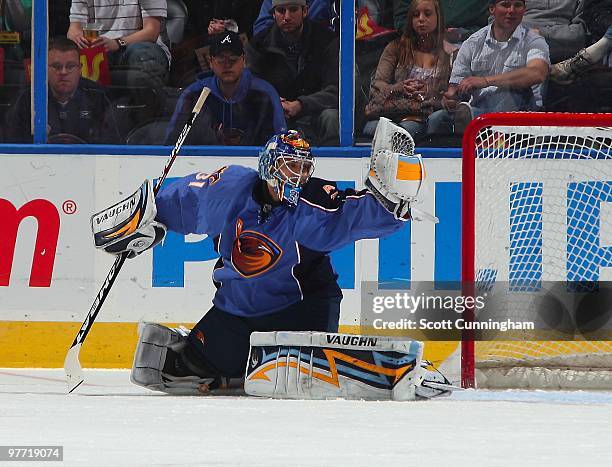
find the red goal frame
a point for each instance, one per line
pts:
(468, 246)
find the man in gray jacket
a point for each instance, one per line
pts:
(300, 59)
(560, 23)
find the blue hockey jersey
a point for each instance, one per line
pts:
(271, 256)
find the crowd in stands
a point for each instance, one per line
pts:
(299, 57)
(519, 55)
(241, 109)
(78, 110)
(429, 65)
(412, 73)
(500, 67)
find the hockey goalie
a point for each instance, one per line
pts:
(274, 320)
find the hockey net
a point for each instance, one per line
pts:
(537, 214)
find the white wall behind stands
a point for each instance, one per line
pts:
(49, 195)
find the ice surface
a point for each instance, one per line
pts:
(110, 422)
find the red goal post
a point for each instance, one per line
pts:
(510, 137)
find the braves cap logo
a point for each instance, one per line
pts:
(226, 40)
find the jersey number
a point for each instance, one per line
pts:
(207, 179)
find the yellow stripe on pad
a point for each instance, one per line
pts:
(128, 228)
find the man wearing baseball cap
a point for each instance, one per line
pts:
(319, 11)
(241, 108)
(226, 41)
(499, 68)
(300, 59)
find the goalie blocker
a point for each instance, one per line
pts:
(129, 225)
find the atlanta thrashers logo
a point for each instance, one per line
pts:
(252, 252)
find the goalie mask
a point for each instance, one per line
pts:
(286, 163)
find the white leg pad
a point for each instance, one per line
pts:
(317, 365)
(150, 357)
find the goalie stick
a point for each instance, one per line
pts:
(72, 365)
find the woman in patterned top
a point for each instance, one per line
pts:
(412, 72)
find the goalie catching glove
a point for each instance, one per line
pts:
(129, 226)
(396, 176)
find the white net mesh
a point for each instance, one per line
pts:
(543, 215)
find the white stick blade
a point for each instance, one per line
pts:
(72, 368)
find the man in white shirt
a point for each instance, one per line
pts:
(129, 32)
(499, 68)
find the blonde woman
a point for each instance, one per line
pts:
(412, 72)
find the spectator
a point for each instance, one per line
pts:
(561, 25)
(499, 68)
(300, 59)
(583, 83)
(241, 108)
(319, 11)
(412, 72)
(567, 71)
(130, 33)
(78, 110)
(598, 18)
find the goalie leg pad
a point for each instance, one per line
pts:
(158, 347)
(315, 365)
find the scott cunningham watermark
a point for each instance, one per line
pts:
(435, 312)
(401, 303)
